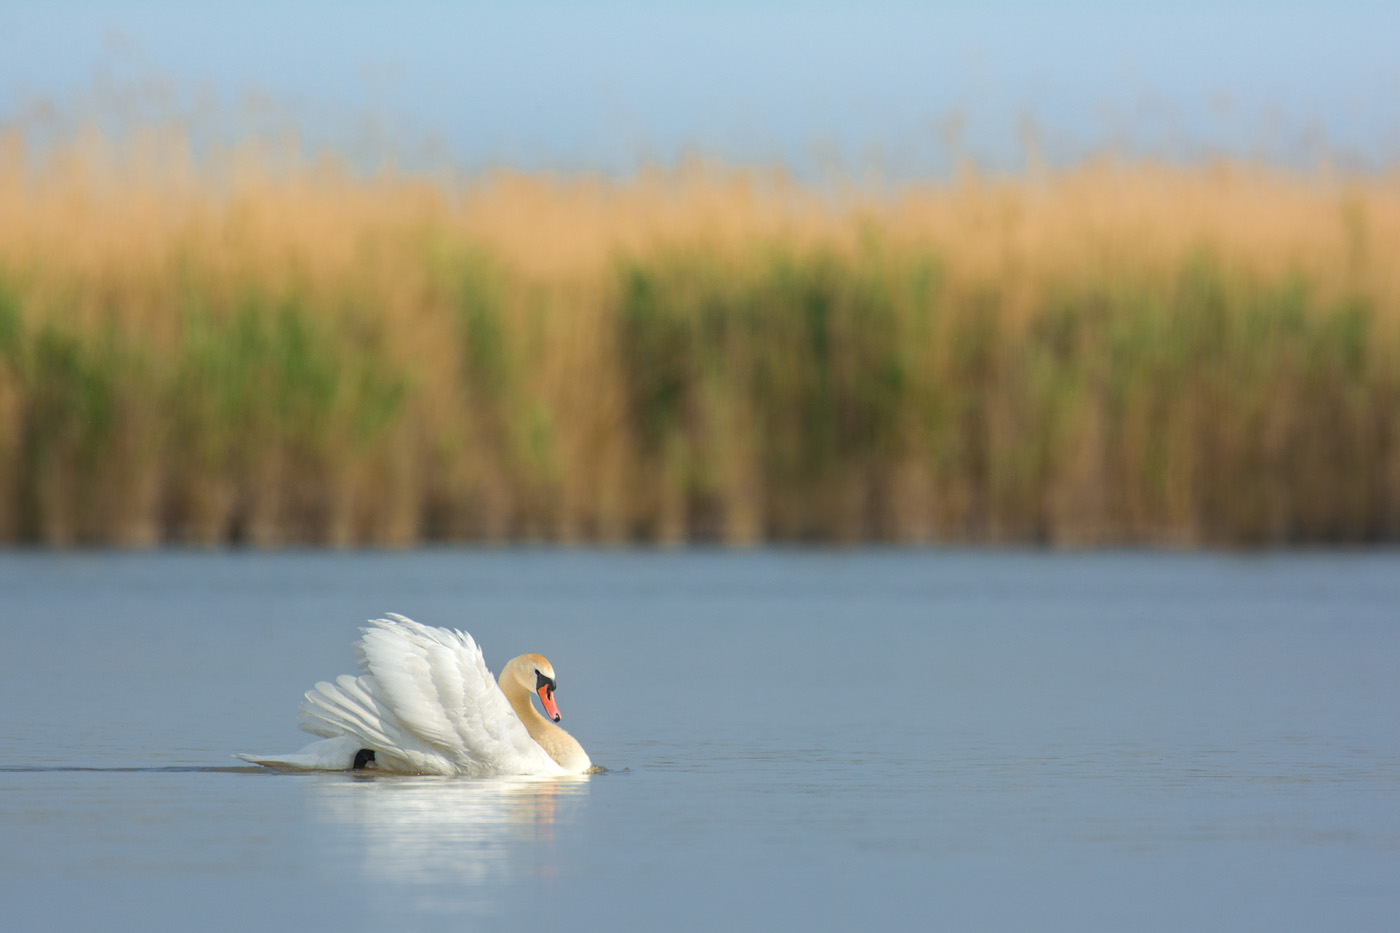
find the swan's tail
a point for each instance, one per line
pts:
(337, 754)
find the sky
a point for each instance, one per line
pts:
(906, 89)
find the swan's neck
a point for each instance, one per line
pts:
(561, 746)
(535, 724)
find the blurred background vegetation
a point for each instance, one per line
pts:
(252, 346)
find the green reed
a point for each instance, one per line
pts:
(1201, 408)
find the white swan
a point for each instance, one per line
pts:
(426, 704)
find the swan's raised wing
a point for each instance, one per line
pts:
(436, 684)
(353, 707)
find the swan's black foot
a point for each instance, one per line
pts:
(363, 759)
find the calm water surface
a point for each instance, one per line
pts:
(819, 740)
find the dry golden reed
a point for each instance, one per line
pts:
(252, 346)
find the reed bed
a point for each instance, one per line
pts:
(256, 347)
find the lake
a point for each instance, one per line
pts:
(796, 739)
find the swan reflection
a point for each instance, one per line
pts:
(454, 838)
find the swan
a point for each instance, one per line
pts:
(426, 704)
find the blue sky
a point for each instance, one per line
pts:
(902, 87)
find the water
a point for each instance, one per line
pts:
(819, 740)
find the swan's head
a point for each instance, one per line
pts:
(534, 673)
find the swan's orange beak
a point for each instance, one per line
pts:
(546, 693)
